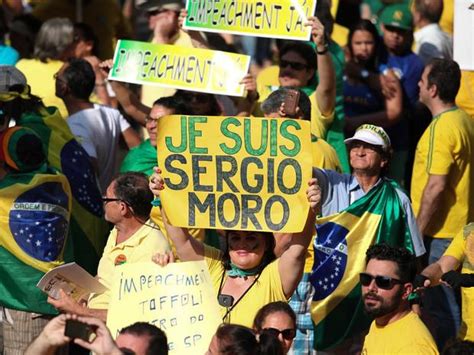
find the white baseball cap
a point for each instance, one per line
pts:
(371, 134)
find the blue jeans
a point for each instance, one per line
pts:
(440, 301)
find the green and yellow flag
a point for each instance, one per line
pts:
(339, 256)
(88, 229)
(35, 210)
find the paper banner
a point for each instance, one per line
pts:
(274, 19)
(193, 69)
(234, 172)
(178, 298)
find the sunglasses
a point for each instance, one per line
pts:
(110, 199)
(287, 334)
(383, 282)
(293, 65)
(155, 12)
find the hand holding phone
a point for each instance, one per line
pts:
(291, 102)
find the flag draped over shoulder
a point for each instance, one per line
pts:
(35, 211)
(339, 256)
(88, 229)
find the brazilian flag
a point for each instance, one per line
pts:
(342, 240)
(35, 210)
(88, 228)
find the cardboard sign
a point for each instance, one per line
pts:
(274, 19)
(193, 69)
(234, 172)
(178, 298)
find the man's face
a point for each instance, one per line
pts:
(294, 70)
(60, 82)
(112, 206)
(156, 113)
(136, 343)
(163, 21)
(424, 86)
(396, 39)
(366, 158)
(379, 302)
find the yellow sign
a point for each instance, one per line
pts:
(235, 172)
(178, 298)
(274, 19)
(193, 69)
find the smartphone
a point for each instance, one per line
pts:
(76, 329)
(291, 102)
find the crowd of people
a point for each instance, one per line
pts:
(392, 130)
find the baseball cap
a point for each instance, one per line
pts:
(153, 5)
(371, 134)
(398, 16)
(10, 76)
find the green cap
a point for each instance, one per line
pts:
(398, 16)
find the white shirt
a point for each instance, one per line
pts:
(98, 130)
(432, 42)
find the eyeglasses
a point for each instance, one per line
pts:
(287, 334)
(149, 119)
(109, 199)
(293, 65)
(383, 282)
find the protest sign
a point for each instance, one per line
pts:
(166, 65)
(178, 298)
(274, 19)
(234, 172)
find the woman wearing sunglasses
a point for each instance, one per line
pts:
(278, 320)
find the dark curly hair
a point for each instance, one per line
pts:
(399, 255)
(270, 308)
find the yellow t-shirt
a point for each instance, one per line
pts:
(267, 82)
(39, 76)
(152, 93)
(324, 155)
(267, 289)
(465, 97)
(447, 148)
(141, 246)
(462, 248)
(407, 335)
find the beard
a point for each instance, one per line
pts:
(378, 306)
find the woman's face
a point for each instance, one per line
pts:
(155, 114)
(363, 45)
(246, 249)
(294, 71)
(281, 323)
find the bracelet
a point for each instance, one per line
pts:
(325, 49)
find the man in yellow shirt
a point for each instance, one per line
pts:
(443, 182)
(127, 204)
(386, 285)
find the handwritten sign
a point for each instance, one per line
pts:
(235, 173)
(274, 19)
(178, 298)
(179, 67)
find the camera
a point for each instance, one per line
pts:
(225, 300)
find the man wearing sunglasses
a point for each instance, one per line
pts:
(386, 284)
(134, 238)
